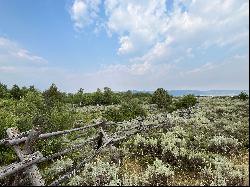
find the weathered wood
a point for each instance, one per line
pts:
(37, 157)
(68, 150)
(33, 172)
(109, 141)
(31, 139)
(15, 167)
(5, 140)
(15, 141)
(22, 136)
(105, 136)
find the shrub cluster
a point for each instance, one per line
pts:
(128, 111)
(162, 99)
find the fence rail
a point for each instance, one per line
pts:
(29, 159)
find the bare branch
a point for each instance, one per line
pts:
(26, 162)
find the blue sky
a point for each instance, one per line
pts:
(142, 45)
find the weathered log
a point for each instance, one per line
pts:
(31, 139)
(33, 172)
(16, 141)
(26, 162)
(67, 150)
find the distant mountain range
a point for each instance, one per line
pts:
(201, 93)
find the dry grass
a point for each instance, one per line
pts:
(182, 178)
(242, 159)
(131, 166)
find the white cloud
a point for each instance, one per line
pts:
(126, 45)
(11, 52)
(24, 54)
(147, 24)
(133, 69)
(180, 46)
(144, 21)
(83, 12)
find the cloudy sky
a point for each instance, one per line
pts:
(125, 44)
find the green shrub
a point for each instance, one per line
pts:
(162, 99)
(3, 91)
(127, 111)
(56, 168)
(186, 101)
(243, 96)
(158, 174)
(52, 96)
(145, 149)
(222, 172)
(221, 144)
(97, 173)
(16, 92)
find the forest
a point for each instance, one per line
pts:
(166, 140)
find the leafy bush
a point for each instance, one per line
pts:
(57, 168)
(221, 144)
(162, 98)
(222, 172)
(238, 130)
(243, 96)
(131, 180)
(145, 149)
(186, 101)
(16, 92)
(97, 173)
(52, 96)
(158, 174)
(127, 111)
(171, 147)
(3, 91)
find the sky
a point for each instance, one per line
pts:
(125, 44)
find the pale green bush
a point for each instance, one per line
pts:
(97, 173)
(59, 166)
(222, 172)
(131, 180)
(221, 144)
(158, 174)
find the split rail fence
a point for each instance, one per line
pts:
(23, 145)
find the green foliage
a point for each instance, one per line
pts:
(97, 174)
(78, 97)
(127, 111)
(221, 144)
(158, 174)
(57, 168)
(223, 173)
(208, 144)
(243, 96)
(162, 98)
(3, 91)
(186, 102)
(16, 92)
(128, 95)
(52, 95)
(107, 97)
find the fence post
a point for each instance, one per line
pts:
(33, 171)
(31, 139)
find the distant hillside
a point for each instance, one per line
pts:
(201, 93)
(206, 93)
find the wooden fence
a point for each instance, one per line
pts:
(28, 158)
